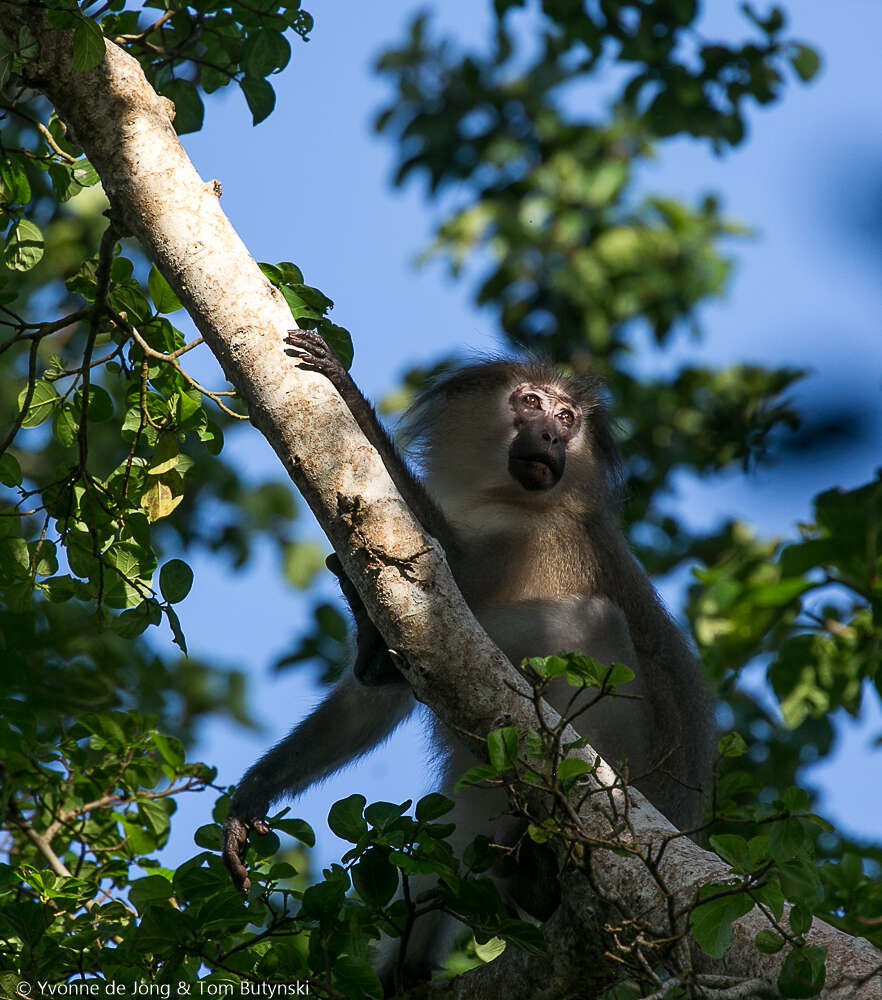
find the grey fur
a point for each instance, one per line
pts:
(543, 571)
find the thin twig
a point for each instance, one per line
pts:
(171, 359)
(141, 35)
(41, 128)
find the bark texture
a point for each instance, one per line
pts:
(400, 571)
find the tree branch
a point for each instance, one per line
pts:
(400, 572)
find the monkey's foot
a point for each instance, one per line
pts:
(234, 845)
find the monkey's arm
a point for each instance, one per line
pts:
(349, 722)
(374, 661)
(374, 665)
(315, 355)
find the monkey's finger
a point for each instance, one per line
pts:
(308, 342)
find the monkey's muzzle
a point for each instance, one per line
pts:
(536, 465)
(533, 475)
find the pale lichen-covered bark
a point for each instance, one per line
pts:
(156, 195)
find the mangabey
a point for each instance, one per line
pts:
(519, 489)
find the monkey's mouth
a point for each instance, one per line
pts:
(534, 473)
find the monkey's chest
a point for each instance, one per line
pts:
(504, 570)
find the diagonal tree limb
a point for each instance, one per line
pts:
(400, 573)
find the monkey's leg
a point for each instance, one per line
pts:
(349, 722)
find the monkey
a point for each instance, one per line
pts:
(520, 487)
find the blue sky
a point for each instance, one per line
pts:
(311, 184)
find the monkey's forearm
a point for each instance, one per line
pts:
(374, 663)
(315, 355)
(349, 722)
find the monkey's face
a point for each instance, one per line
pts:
(546, 422)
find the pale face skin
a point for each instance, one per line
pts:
(545, 422)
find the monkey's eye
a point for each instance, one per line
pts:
(531, 399)
(566, 418)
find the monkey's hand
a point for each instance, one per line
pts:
(374, 661)
(314, 355)
(235, 844)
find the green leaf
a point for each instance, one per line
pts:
(160, 290)
(15, 560)
(787, 839)
(546, 667)
(733, 849)
(165, 455)
(432, 806)
(59, 589)
(177, 633)
(43, 401)
(302, 561)
(15, 180)
(732, 745)
(208, 836)
(131, 623)
(290, 273)
(475, 775)
(570, 770)
(171, 748)
(711, 922)
(525, 936)
(85, 174)
(188, 405)
(10, 470)
(212, 437)
(768, 942)
(63, 182)
(260, 96)
(24, 246)
(322, 901)
(271, 272)
(803, 973)
(43, 558)
(331, 622)
(88, 45)
(619, 673)
(265, 844)
(805, 61)
(100, 406)
(65, 424)
(264, 51)
(282, 870)
(144, 892)
(162, 495)
(175, 580)
(795, 799)
(345, 817)
(490, 950)
(296, 828)
(383, 814)
(375, 878)
(534, 745)
(800, 919)
(502, 747)
(189, 109)
(355, 977)
(540, 834)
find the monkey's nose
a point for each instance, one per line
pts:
(547, 437)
